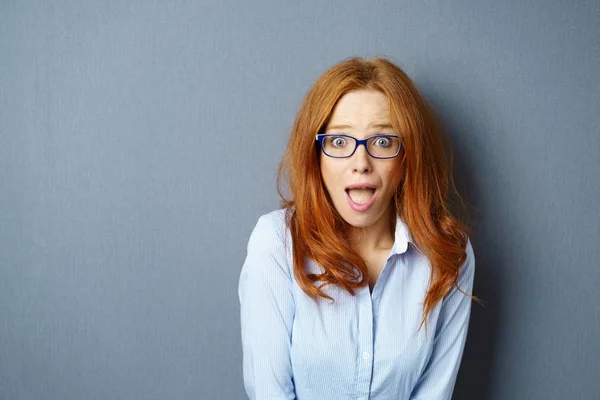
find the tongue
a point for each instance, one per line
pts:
(360, 196)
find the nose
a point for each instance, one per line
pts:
(361, 160)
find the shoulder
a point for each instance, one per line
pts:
(470, 260)
(270, 230)
(467, 270)
(266, 276)
(269, 245)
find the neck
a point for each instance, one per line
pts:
(379, 236)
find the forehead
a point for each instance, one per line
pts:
(364, 105)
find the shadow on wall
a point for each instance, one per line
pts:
(475, 376)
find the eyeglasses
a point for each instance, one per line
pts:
(344, 146)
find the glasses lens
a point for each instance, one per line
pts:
(338, 146)
(383, 146)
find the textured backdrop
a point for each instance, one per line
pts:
(138, 147)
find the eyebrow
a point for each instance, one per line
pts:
(384, 125)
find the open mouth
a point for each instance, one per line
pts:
(360, 195)
(360, 198)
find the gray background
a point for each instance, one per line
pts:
(138, 147)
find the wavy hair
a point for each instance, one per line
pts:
(424, 199)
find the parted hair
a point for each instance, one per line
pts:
(426, 198)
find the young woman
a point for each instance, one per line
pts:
(359, 287)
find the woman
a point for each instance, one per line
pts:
(357, 288)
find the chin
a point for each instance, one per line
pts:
(360, 221)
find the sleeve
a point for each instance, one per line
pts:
(439, 376)
(266, 314)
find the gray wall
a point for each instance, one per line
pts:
(138, 146)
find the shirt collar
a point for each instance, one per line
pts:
(402, 237)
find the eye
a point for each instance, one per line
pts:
(338, 141)
(383, 142)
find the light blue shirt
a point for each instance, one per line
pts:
(366, 346)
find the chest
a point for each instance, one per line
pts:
(375, 263)
(366, 343)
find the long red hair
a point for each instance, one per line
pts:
(424, 199)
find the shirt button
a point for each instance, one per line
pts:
(366, 356)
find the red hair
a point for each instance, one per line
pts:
(424, 198)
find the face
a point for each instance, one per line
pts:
(361, 187)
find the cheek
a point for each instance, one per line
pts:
(329, 172)
(392, 176)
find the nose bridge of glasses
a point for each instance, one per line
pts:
(361, 150)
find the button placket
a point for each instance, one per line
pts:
(365, 366)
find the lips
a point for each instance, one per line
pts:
(361, 197)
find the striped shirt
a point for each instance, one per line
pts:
(366, 346)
